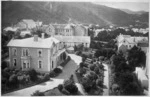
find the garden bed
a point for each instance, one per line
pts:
(13, 80)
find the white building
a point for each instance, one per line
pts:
(125, 42)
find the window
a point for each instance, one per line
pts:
(40, 64)
(39, 53)
(25, 64)
(25, 52)
(14, 51)
(15, 62)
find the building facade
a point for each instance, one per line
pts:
(66, 30)
(129, 41)
(41, 54)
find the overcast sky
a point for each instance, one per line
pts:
(134, 6)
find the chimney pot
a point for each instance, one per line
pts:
(43, 35)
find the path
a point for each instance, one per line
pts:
(69, 69)
(106, 81)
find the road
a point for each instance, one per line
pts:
(106, 81)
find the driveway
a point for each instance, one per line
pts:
(106, 81)
(69, 69)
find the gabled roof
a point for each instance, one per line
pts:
(29, 42)
(11, 29)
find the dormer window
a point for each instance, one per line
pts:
(14, 50)
(39, 53)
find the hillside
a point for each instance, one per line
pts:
(61, 12)
(133, 12)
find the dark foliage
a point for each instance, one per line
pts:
(37, 93)
(60, 87)
(57, 70)
(32, 73)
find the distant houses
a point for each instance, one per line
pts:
(71, 41)
(66, 29)
(125, 42)
(42, 54)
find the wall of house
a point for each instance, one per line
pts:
(79, 31)
(33, 52)
(50, 30)
(21, 25)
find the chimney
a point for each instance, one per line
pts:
(35, 38)
(43, 35)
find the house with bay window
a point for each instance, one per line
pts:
(41, 54)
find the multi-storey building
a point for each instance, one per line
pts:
(66, 30)
(125, 42)
(42, 54)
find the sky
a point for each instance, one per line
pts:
(133, 6)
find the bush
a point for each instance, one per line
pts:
(96, 70)
(64, 91)
(57, 70)
(46, 77)
(37, 93)
(92, 67)
(60, 87)
(52, 74)
(13, 81)
(4, 65)
(99, 82)
(32, 73)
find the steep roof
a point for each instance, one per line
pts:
(82, 39)
(29, 42)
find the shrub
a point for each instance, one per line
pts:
(46, 77)
(72, 89)
(52, 74)
(99, 82)
(33, 74)
(13, 81)
(96, 70)
(60, 87)
(92, 67)
(4, 65)
(37, 93)
(57, 70)
(64, 91)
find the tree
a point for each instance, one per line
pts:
(92, 67)
(132, 88)
(99, 82)
(13, 81)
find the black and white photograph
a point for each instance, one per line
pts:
(74, 48)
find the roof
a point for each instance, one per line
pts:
(11, 29)
(31, 23)
(82, 39)
(29, 42)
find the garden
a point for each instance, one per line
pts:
(91, 76)
(67, 88)
(123, 80)
(15, 79)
